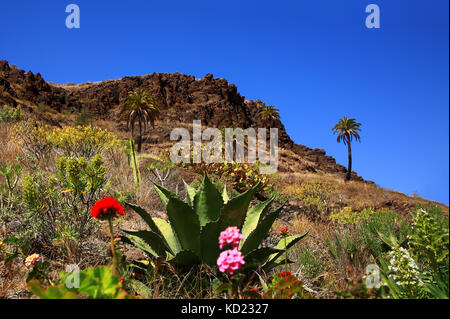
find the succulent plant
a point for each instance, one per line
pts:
(191, 234)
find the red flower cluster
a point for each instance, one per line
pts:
(284, 274)
(106, 208)
(284, 231)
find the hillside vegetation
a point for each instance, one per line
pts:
(62, 152)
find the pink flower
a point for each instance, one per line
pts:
(230, 260)
(30, 260)
(231, 235)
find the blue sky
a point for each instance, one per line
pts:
(314, 60)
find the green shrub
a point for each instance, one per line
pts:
(38, 140)
(85, 141)
(94, 283)
(316, 195)
(421, 269)
(8, 114)
(57, 206)
(191, 235)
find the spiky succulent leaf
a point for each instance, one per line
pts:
(190, 193)
(259, 256)
(146, 217)
(185, 224)
(225, 197)
(185, 258)
(207, 202)
(164, 194)
(234, 211)
(279, 262)
(139, 243)
(209, 241)
(152, 239)
(284, 243)
(253, 217)
(169, 235)
(260, 232)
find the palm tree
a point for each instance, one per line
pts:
(348, 129)
(141, 107)
(269, 112)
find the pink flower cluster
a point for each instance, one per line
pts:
(231, 235)
(230, 260)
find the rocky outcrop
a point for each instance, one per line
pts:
(181, 97)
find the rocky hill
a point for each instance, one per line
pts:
(182, 98)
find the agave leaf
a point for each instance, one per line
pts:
(235, 210)
(185, 224)
(207, 202)
(185, 258)
(260, 232)
(152, 239)
(139, 243)
(164, 194)
(190, 193)
(209, 241)
(259, 256)
(282, 244)
(253, 217)
(225, 197)
(146, 217)
(279, 262)
(169, 235)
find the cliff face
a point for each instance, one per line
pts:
(182, 98)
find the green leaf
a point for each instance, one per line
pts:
(282, 244)
(152, 239)
(185, 258)
(260, 232)
(207, 202)
(146, 217)
(253, 217)
(259, 256)
(52, 292)
(235, 210)
(185, 224)
(169, 235)
(225, 197)
(190, 193)
(209, 241)
(164, 194)
(139, 243)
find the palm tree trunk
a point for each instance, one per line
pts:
(349, 170)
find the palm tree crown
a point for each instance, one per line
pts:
(141, 107)
(269, 112)
(348, 129)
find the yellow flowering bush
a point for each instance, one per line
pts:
(79, 141)
(315, 195)
(347, 216)
(83, 141)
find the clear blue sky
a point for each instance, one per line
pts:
(314, 60)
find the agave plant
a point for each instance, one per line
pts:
(190, 237)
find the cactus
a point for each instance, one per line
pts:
(190, 237)
(134, 161)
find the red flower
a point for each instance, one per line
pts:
(284, 231)
(254, 289)
(284, 274)
(106, 208)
